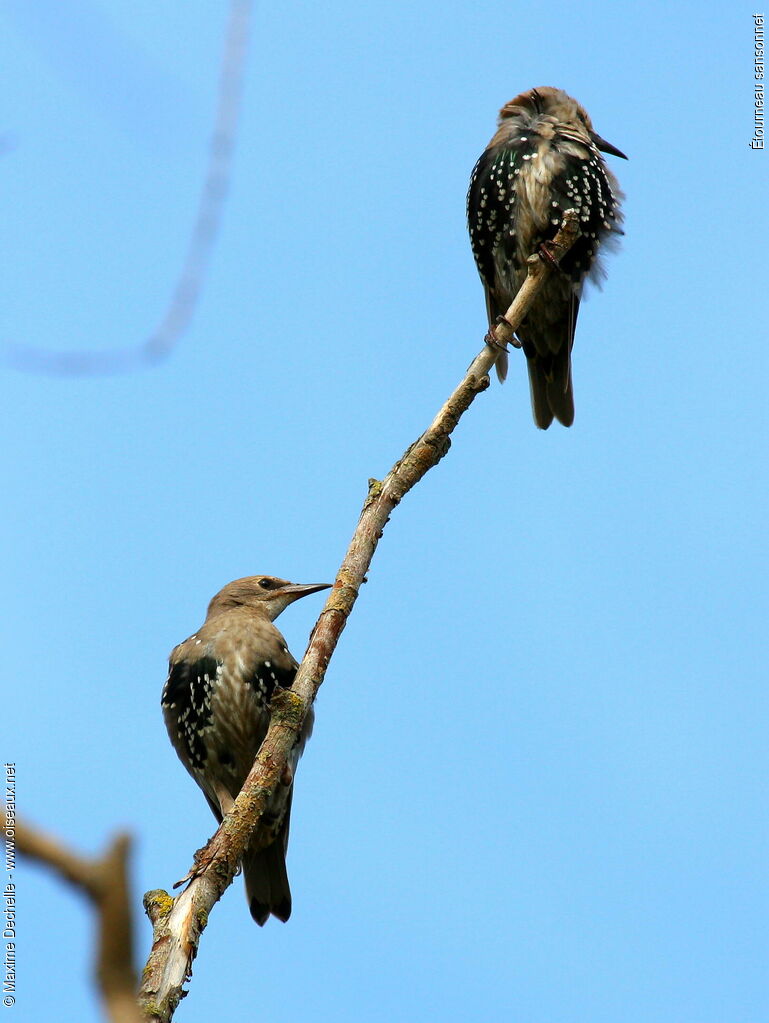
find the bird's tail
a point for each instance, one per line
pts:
(550, 386)
(501, 367)
(265, 877)
(266, 880)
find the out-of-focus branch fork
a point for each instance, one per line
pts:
(104, 882)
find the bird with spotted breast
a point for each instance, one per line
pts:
(216, 707)
(544, 159)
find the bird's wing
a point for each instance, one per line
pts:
(490, 217)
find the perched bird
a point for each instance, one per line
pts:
(544, 159)
(216, 706)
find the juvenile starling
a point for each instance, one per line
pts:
(216, 706)
(544, 159)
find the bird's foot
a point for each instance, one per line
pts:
(547, 256)
(200, 861)
(491, 338)
(187, 877)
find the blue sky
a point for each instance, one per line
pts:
(537, 784)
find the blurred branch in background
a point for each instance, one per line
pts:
(178, 924)
(189, 285)
(105, 883)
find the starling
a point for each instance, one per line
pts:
(544, 159)
(216, 706)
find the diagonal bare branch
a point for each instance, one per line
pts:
(179, 923)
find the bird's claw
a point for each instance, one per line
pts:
(547, 256)
(493, 341)
(200, 861)
(189, 876)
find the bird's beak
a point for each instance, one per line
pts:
(607, 147)
(296, 590)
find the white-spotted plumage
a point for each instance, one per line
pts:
(216, 706)
(546, 142)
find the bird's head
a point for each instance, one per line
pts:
(263, 592)
(561, 108)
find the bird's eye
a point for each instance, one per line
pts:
(266, 584)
